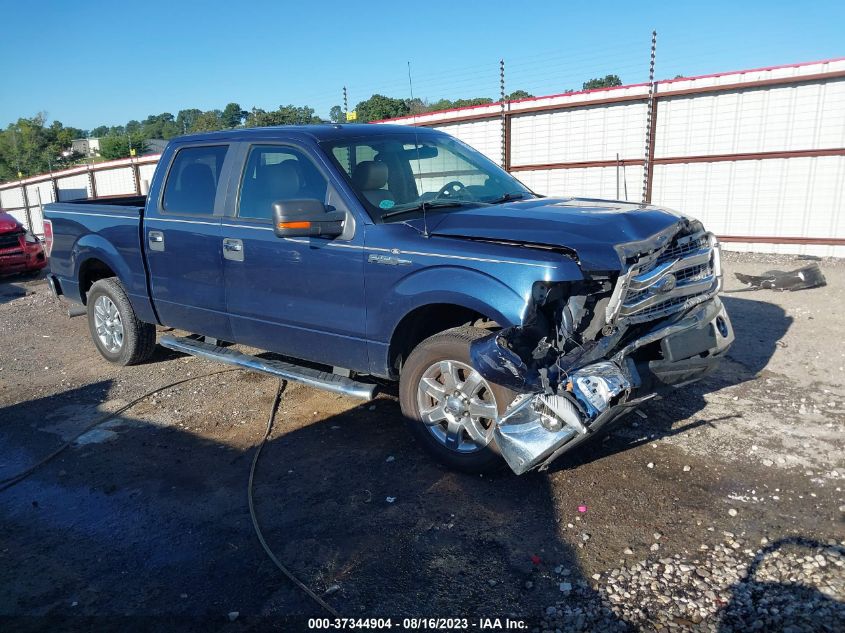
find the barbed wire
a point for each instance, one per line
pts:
(539, 73)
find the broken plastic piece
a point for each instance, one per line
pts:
(582, 508)
(803, 278)
(495, 362)
(536, 426)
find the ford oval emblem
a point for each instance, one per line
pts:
(666, 284)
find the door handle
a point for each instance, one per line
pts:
(233, 249)
(156, 240)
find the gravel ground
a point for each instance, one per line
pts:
(719, 508)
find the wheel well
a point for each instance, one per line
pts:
(92, 270)
(426, 321)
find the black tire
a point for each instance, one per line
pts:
(139, 338)
(452, 345)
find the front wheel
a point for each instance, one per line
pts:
(451, 409)
(117, 333)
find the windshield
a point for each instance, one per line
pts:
(399, 176)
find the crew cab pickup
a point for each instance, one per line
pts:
(516, 325)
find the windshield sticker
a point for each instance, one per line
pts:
(386, 204)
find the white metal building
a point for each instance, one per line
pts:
(757, 155)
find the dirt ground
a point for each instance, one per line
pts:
(147, 516)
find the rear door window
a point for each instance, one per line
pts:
(192, 181)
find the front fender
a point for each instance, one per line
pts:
(450, 285)
(453, 285)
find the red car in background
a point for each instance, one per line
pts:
(20, 250)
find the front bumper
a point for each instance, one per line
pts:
(537, 428)
(18, 260)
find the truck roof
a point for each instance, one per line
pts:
(318, 132)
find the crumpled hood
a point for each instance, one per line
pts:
(589, 227)
(8, 223)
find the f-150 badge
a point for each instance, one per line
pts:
(388, 260)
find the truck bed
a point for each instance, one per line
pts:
(110, 230)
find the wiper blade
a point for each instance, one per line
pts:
(425, 206)
(507, 198)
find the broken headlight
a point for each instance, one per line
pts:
(595, 386)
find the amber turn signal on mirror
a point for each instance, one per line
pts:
(294, 225)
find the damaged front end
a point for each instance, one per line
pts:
(590, 351)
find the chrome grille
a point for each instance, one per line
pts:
(693, 272)
(683, 274)
(683, 246)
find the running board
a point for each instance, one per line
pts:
(286, 371)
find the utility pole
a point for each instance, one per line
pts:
(504, 116)
(617, 175)
(345, 104)
(651, 121)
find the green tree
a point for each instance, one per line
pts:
(233, 115)
(160, 126)
(417, 105)
(518, 94)
(608, 81)
(99, 131)
(32, 147)
(209, 121)
(285, 115)
(448, 104)
(115, 146)
(185, 119)
(380, 107)
(336, 115)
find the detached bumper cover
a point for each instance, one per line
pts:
(539, 427)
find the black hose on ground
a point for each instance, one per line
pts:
(257, 527)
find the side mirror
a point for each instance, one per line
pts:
(306, 218)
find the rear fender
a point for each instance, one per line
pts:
(93, 246)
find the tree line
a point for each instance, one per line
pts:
(30, 146)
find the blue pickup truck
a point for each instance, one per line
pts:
(516, 325)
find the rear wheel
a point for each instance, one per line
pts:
(451, 409)
(117, 333)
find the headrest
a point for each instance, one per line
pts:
(370, 175)
(197, 176)
(283, 178)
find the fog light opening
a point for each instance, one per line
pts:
(722, 326)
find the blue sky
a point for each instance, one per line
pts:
(90, 63)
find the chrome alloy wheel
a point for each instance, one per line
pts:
(457, 406)
(108, 324)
